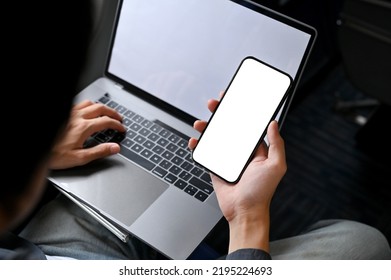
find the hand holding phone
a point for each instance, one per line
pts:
(239, 123)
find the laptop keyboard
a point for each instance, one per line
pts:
(157, 148)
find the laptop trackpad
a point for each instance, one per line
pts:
(114, 186)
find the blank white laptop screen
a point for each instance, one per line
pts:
(194, 54)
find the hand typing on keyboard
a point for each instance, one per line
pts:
(157, 148)
(87, 118)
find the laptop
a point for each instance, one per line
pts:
(166, 59)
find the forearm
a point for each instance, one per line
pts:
(250, 231)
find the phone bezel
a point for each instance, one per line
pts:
(261, 138)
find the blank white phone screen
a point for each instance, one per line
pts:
(241, 119)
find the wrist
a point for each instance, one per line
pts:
(250, 230)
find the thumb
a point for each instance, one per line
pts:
(276, 143)
(100, 151)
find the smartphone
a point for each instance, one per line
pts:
(239, 123)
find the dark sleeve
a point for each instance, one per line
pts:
(249, 254)
(13, 247)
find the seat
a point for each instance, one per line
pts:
(103, 17)
(364, 40)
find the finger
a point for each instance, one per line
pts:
(97, 109)
(97, 152)
(199, 125)
(262, 152)
(83, 104)
(212, 104)
(102, 123)
(217, 183)
(192, 143)
(276, 143)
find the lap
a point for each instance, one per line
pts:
(333, 239)
(61, 228)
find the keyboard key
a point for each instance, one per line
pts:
(165, 164)
(182, 153)
(138, 118)
(177, 160)
(100, 137)
(104, 99)
(180, 184)
(130, 134)
(153, 137)
(185, 176)
(206, 178)
(126, 122)
(109, 132)
(144, 132)
(183, 144)
(117, 137)
(147, 123)
(167, 155)
(137, 148)
(190, 190)
(159, 172)
(175, 170)
(164, 133)
(201, 185)
(172, 147)
(158, 150)
(156, 128)
(129, 114)
(148, 144)
(146, 153)
(121, 109)
(137, 159)
(112, 104)
(155, 158)
(201, 196)
(170, 178)
(127, 143)
(187, 166)
(135, 127)
(189, 158)
(90, 142)
(139, 139)
(174, 138)
(196, 171)
(162, 142)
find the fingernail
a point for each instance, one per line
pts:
(114, 149)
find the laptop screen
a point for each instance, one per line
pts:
(180, 53)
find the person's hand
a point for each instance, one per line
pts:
(246, 204)
(86, 118)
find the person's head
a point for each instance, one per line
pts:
(44, 45)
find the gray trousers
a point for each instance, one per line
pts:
(61, 228)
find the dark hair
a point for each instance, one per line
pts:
(44, 45)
